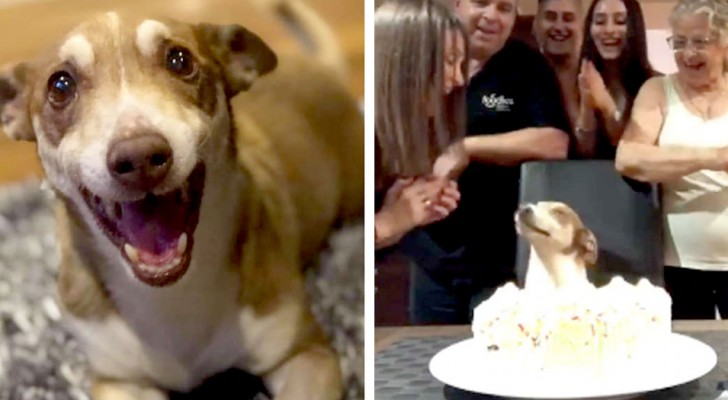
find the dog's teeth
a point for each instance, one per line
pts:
(182, 243)
(160, 268)
(132, 253)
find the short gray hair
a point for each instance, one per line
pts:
(716, 10)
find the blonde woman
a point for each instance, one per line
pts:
(678, 137)
(420, 71)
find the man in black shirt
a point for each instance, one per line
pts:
(515, 114)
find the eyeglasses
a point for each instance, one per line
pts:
(681, 43)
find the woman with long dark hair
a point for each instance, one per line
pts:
(614, 67)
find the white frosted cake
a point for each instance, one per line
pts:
(584, 327)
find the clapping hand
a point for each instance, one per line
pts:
(414, 202)
(592, 89)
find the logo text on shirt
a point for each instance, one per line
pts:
(499, 103)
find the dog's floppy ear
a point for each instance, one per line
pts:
(586, 244)
(14, 94)
(242, 55)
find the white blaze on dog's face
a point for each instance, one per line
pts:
(556, 228)
(129, 117)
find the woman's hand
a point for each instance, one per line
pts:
(410, 203)
(592, 89)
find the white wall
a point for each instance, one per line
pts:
(659, 52)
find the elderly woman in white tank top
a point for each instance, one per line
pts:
(678, 137)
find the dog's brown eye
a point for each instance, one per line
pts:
(180, 61)
(61, 88)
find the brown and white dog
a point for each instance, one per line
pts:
(196, 172)
(562, 248)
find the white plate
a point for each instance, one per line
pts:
(466, 365)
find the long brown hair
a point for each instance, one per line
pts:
(409, 61)
(635, 66)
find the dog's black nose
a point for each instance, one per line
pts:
(525, 210)
(140, 162)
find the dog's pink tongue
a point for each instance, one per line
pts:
(153, 226)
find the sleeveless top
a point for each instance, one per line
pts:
(695, 206)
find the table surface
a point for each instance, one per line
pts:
(402, 355)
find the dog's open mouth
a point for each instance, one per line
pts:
(155, 234)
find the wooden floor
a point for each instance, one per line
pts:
(29, 26)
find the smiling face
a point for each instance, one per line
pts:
(128, 116)
(490, 23)
(699, 53)
(608, 28)
(557, 27)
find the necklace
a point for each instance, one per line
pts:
(710, 99)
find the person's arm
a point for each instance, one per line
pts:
(638, 155)
(547, 121)
(595, 94)
(516, 147)
(614, 121)
(387, 230)
(452, 162)
(585, 131)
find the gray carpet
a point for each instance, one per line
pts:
(40, 360)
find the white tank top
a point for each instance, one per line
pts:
(695, 207)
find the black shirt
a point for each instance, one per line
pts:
(516, 89)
